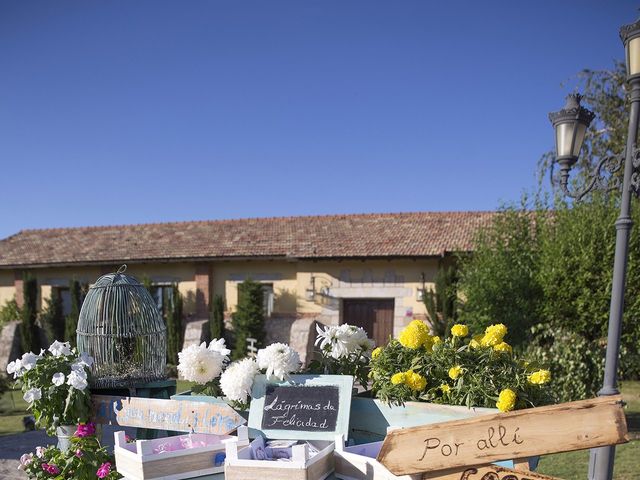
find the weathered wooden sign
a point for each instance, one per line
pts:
(181, 416)
(487, 472)
(490, 438)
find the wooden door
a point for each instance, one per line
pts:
(374, 315)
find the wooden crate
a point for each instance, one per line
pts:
(358, 462)
(137, 461)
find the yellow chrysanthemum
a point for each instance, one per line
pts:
(376, 352)
(415, 381)
(414, 335)
(493, 335)
(455, 372)
(428, 343)
(540, 377)
(459, 330)
(503, 347)
(445, 388)
(506, 400)
(475, 341)
(397, 378)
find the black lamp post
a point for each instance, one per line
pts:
(570, 125)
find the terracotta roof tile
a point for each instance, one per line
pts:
(421, 234)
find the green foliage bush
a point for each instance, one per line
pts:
(248, 319)
(29, 341)
(216, 317)
(173, 320)
(442, 302)
(52, 318)
(9, 312)
(71, 321)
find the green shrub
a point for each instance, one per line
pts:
(71, 320)
(173, 320)
(216, 317)
(29, 340)
(9, 312)
(442, 302)
(248, 319)
(52, 318)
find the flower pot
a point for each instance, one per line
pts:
(64, 434)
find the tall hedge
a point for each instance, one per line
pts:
(173, 320)
(52, 317)
(248, 319)
(29, 338)
(71, 320)
(216, 317)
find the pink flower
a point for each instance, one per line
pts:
(85, 430)
(40, 452)
(25, 460)
(50, 468)
(79, 453)
(104, 470)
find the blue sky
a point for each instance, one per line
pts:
(129, 112)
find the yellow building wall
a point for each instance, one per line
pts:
(7, 290)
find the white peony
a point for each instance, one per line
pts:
(32, 395)
(78, 379)
(279, 360)
(237, 380)
(218, 345)
(58, 379)
(60, 348)
(199, 364)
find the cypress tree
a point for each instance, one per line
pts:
(52, 317)
(71, 321)
(216, 317)
(442, 303)
(29, 338)
(248, 319)
(173, 321)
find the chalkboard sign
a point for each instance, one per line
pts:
(306, 407)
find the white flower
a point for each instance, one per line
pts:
(199, 364)
(29, 360)
(32, 395)
(57, 379)
(77, 379)
(40, 452)
(279, 360)
(15, 368)
(343, 341)
(236, 381)
(60, 348)
(85, 359)
(25, 460)
(218, 345)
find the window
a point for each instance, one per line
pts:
(267, 299)
(163, 296)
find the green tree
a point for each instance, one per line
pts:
(173, 318)
(52, 317)
(9, 312)
(71, 320)
(216, 317)
(442, 301)
(500, 281)
(29, 315)
(248, 319)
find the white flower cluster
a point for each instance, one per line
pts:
(19, 367)
(237, 380)
(279, 360)
(343, 341)
(202, 364)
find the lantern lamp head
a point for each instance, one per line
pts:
(630, 36)
(570, 126)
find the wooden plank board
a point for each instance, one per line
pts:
(180, 416)
(492, 472)
(490, 438)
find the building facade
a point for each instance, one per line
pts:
(366, 270)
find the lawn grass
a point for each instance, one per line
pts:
(12, 410)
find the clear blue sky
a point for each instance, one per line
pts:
(140, 111)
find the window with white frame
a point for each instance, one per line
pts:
(267, 298)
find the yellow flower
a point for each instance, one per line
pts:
(506, 400)
(414, 335)
(397, 378)
(475, 341)
(459, 330)
(376, 352)
(493, 335)
(445, 388)
(428, 343)
(455, 372)
(540, 377)
(415, 381)
(503, 347)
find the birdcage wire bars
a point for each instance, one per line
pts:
(121, 327)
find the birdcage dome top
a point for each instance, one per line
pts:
(121, 326)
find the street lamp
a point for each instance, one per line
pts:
(570, 125)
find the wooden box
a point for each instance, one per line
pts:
(313, 408)
(168, 459)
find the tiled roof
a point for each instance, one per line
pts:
(422, 234)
